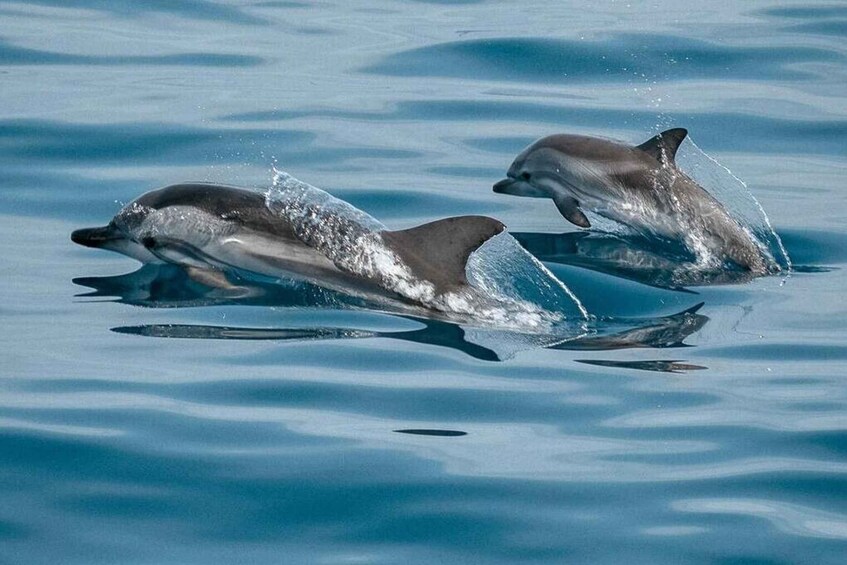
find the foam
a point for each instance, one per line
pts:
(735, 196)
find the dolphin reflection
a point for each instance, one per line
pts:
(660, 365)
(647, 261)
(169, 286)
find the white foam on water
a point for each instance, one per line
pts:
(735, 196)
(349, 237)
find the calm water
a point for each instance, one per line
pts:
(282, 446)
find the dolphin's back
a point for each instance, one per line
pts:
(245, 207)
(591, 148)
(608, 162)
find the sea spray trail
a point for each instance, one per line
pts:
(735, 196)
(505, 269)
(509, 287)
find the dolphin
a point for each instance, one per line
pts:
(638, 186)
(211, 230)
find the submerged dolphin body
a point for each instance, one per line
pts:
(211, 229)
(640, 187)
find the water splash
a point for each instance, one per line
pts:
(691, 246)
(504, 269)
(734, 194)
(508, 287)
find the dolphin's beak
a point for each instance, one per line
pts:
(95, 237)
(503, 185)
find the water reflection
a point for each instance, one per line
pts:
(429, 432)
(627, 333)
(656, 365)
(444, 334)
(169, 286)
(662, 265)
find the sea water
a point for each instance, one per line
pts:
(146, 419)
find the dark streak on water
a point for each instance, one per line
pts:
(435, 433)
(619, 58)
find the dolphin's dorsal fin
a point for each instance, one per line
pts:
(438, 251)
(663, 146)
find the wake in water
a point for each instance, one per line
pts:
(735, 196)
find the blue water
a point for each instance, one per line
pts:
(283, 431)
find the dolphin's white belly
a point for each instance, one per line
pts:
(187, 236)
(271, 256)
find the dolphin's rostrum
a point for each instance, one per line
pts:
(638, 186)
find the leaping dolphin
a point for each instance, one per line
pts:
(210, 229)
(638, 186)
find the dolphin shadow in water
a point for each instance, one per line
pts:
(660, 366)
(645, 260)
(165, 285)
(169, 286)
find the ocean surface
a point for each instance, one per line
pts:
(146, 420)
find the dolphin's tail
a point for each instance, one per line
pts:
(438, 251)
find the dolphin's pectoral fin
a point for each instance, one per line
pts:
(210, 277)
(218, 280)
(663, 146)
(172, 250)
(438, 251)
(569, 208)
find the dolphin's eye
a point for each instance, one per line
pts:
(525, 176)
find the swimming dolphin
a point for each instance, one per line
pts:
(638, 186)
(211, 229)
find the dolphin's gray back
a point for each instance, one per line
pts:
(614, 163)
(586, 147)
(615, 155)
(237, 205)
